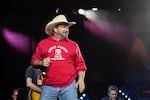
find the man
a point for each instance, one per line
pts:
(65, 65)
(19, 94)
(34, 79)
(14, 94)
(112, 93)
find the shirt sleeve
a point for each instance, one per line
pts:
(79, 61)
(29, 73)
(37, 54)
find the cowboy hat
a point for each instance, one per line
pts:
(55, 21)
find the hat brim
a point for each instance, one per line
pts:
(49, 27)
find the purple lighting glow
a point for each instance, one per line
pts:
(18, 41)
(111, 33)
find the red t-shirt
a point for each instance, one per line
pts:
(66, 61)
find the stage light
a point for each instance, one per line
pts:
(119, 9)
(95, 9)
(84, 97)
(120, 91)
(83, 94)
(126, 96)
(123, 93)
(81, 11)
(57, 10)
(81, 98)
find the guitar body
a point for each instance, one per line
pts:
(34, 95)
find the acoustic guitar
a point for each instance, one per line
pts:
(34, 95)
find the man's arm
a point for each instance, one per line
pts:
(45, 62)
(38, 62)
(81, 75)
(80, 83)
(31, 85)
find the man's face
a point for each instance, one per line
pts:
(112, 94)
(15, 94)
(62, 30)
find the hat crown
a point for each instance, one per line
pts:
(60, 18)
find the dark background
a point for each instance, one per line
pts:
(124, 63)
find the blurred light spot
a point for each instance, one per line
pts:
(18, 41)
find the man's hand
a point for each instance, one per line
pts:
(46, 62)
(81, 85)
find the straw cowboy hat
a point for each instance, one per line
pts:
(55, 21)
